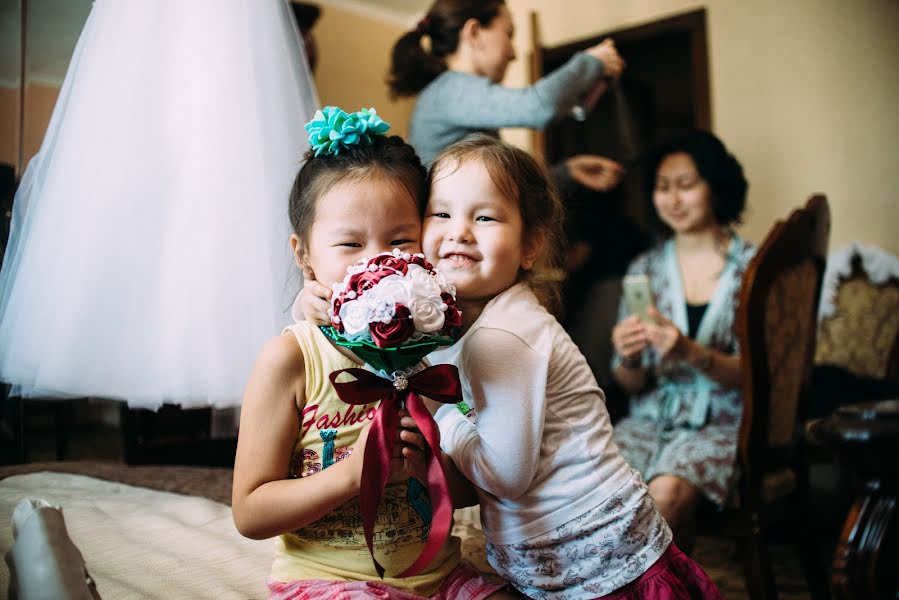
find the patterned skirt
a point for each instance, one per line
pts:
(705, 457)
(595, 553)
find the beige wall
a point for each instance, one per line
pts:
(39, 102)
(40, 99)
(804, 92)
(9, 132)
(354, 58)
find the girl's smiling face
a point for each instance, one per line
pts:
(356, 219)
(473, 233)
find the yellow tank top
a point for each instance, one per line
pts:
(333, 547)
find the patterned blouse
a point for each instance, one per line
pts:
(683, 423)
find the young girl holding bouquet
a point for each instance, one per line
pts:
(564, 514)
(299, 457)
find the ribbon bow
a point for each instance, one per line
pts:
(440, 383)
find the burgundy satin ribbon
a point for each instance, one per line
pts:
(440, 383)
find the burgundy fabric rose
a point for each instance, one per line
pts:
(420, 260)
(364, 280)
(390, 264)
(452, 318)
(394, 333)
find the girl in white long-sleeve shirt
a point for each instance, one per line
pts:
(564, 514)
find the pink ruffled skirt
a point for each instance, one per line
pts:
(675, 576)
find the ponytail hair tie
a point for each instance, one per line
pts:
(423, 26)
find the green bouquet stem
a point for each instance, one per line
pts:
(389, 360)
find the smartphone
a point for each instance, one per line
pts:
(638, 296)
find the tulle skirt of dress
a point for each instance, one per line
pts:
(148, 259)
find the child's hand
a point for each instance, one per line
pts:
(415, 454)
(315, 300)
(409, 452)
(413, 448)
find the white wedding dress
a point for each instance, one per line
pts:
(148, 259)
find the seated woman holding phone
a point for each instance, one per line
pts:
(676, 350)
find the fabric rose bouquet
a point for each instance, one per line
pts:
(392, 310)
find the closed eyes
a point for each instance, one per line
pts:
(684, 184)
(400, 242)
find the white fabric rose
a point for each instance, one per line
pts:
(426, 314)
(393, 289)
(423, 283)
(354, 316)
(445, 286)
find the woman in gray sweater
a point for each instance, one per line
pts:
(455, 60)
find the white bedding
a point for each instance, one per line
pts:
(139, 543)
(142, 544)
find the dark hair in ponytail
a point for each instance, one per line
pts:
(412, 66)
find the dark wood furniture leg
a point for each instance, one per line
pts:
(865, 441)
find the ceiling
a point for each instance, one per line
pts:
(400, 12)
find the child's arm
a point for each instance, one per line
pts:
(507, 379)
(264, 502)
(461, 489)
(414, 456)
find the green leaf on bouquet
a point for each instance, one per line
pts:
(389, 360)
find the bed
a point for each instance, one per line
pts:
(151, 532)
(160, 531)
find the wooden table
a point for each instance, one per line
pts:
(865, 441)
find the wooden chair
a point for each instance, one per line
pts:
(857, 357)
(776, 326)
(860, 332)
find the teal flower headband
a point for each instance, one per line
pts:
(332, 129)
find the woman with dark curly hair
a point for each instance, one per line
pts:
(679, 359)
